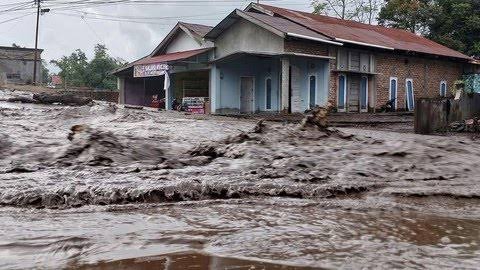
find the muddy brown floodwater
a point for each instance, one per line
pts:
(104, 187)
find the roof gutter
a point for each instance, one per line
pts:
(314, 39)
(364, 44)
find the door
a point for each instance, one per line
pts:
(353, 93)
(312, 87)
(246, 94)
(296, 87)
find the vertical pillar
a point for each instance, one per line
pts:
(167, 85)
(285, 85)
(214, 89)
(167, 98)
(121, 90)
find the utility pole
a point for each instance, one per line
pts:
(39, 12)
(36, 43)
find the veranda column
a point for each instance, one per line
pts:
(167, 86)
(121, 90)
(285, 86)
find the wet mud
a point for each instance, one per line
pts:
(57, 156)
(105, 166)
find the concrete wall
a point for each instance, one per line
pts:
(435, 114)
(246, 36)
(102, 95)
(182, 42)
(24, 68)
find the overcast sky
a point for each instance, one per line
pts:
(63, 29)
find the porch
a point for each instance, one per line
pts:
(244, 83)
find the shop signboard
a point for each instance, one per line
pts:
(149, 70)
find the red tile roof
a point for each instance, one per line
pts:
(364, 33)
(56, 79)
(165, 58)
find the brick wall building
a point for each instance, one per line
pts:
(426, 72)
(374, 65)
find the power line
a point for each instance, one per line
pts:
(143, 18)
(121, 20)
(17, 18)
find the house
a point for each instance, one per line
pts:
(16, 65)
(179, 62)
(270, 59)
(56, 80)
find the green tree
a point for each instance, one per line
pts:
(76, 70)
(45, 72)
(73, 68)
(456, 24)
(319, 7)
(411, 15)
(100, 67)
(358, 10)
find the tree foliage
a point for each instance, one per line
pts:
(45, 72)
(411, 15)
(77, 70)
(358, 10)
(456, 24)
(453, 23)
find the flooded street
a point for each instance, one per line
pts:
(105, 187)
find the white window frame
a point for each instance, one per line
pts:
(316, 89)
(344, 92)
(390, 91)
(446, 88)
(271, 94)
(361, 78)
(406, 94)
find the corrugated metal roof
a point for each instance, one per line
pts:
(280, 26)
(285, 26)
(198, 29)
(165, 58)
(364, 33)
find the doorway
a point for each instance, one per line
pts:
(247, 94)
(353, 93)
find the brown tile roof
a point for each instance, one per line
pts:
(364, 33)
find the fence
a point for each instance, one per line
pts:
(435, 115)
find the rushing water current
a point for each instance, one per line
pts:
(104, 187)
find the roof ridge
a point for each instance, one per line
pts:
(187, 23)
